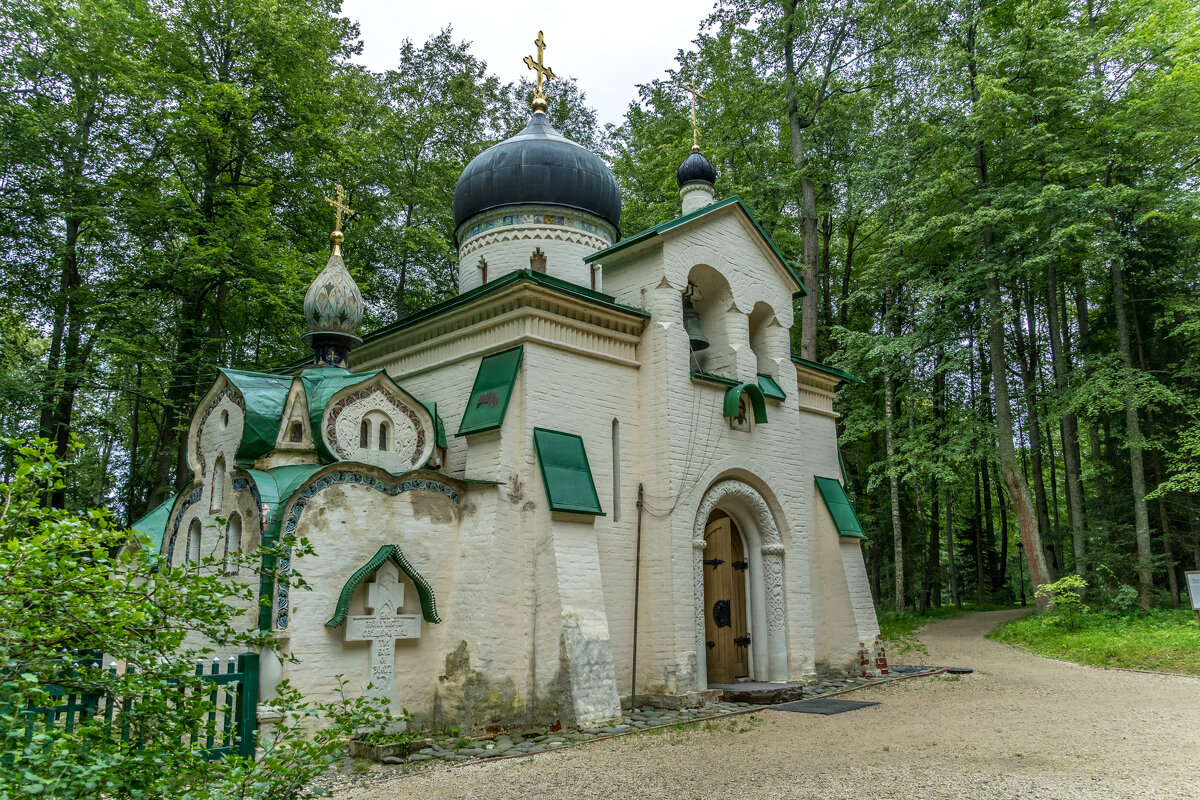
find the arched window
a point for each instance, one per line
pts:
(296, 434)
(216, 494)
(616, 471)
(383, 436)
(364, 434)
(767, 340)
(233, 543)
(720, 321)
(192, 554)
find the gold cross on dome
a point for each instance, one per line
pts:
(544, 73)
(339, 206)
(694, 90)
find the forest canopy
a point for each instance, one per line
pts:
(994, 206)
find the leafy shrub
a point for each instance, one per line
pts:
(1065, 596)
(72, 582)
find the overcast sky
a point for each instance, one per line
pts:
(610, 46)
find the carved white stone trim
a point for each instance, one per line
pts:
(744, 499)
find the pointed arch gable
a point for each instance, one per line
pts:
(389, 552)
(372, 388)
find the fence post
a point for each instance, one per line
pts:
(247, 725)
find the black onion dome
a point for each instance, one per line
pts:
(696, 168)
(538, 166)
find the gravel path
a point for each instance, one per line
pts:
(1021, 726)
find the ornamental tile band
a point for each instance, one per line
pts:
(191, 499)
(533, 216)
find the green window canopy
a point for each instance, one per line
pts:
(839, 507)
(770, 388)
(489, 396)
(566, 473)
(733, 399)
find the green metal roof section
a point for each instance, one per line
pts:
(671, 224)
(566, 473)
(494, 383)
(437, 423)
(320, 385)
(770, 388)
(501, 283)
(733, 401)
(389, 552)
(839, 507)
(709, 377)
(265, 396)
(828, 370)
(154, 525)
(278, 484)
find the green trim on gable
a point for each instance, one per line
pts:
(770, 388)
(389, 552)
(437, 423)
(566, 473)
(265, 397)
(839, 507)
(276, 485)
(751, 390)
(828, 370)
(662, 228)
(488, 402)
(154, 524)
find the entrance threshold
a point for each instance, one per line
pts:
(759, 693)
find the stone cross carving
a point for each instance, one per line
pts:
(385, 597)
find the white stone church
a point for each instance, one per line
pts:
(595, 477)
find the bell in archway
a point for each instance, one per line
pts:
(691, 324)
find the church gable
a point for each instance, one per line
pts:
(295, 429)
(374, 421)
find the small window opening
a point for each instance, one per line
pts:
(224, 418)
(482, 271)
(593, 276)
(383, 436)
(364, 434)
(616, 471)
(191, 555)
(296, 434)
(233, 543)
(537, 261)
(217, 493)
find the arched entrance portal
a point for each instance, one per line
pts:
(750, 518)
(727, 637)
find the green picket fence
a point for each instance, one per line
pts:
(230, 724)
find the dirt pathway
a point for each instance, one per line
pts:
(1021, 726)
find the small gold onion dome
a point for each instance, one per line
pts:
(333, 305)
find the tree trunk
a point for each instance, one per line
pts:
(1141, 518)
(1027, 357)
(951, 571)
(890, 447)
(1068, 428)
(1010, 471)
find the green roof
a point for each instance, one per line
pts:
(828, 370)
(488, 400)
(671, 224)
(839, 507)
(566, 473)
(770, 388)
(277, 484)
(709, 377)
(265, 396)
(733, 399)
(154, 525)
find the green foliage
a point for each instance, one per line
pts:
(74, 582)
(1065, 597)
(1160, 640)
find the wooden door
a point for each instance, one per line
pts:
(725, 603)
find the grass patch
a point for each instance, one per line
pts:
(1163, 640)
(899, 629)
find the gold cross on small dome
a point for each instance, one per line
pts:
(695, 92)
(544, 73)
(339, 206)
